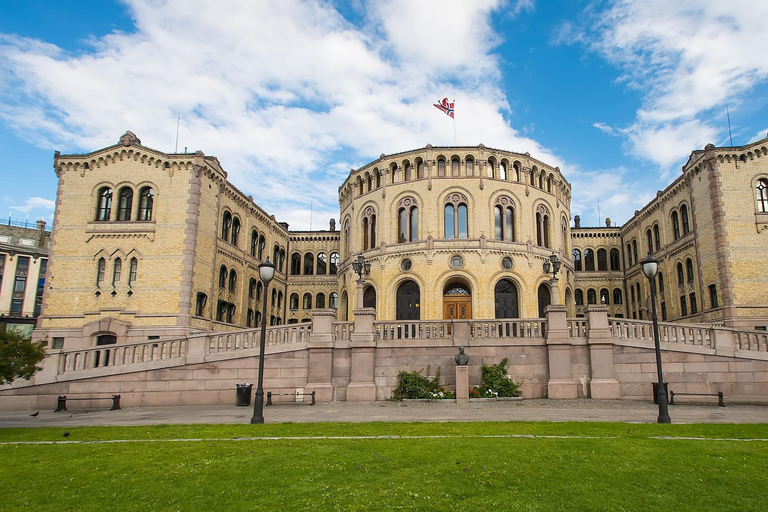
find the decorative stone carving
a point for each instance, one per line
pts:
(129, 139)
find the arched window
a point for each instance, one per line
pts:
(420, 168)
(491, 167)
(634, 251)
(320, 301)
(104, 206)
(369, 297)
(274, 297)
(223, 277)
(369, 181)
(591, 296)
(252, 288)
(549, 184)
(470, 165)
(202, 300)
(116, 271)
(629, 255)
(101, 269)
(689, 269)
(503, 171)
(602, 260)
(333, 300)
(346, 238)
(281, 259)
(545, 299)
(333, 269)
(231, 313)
(441, 168)
(408, 301)
(649, 238)
(306, 301)
(254, 242)
(262, 245)
(684, 218)
(146, 203)
(232, 280)
(761, 193)
(276, 255)
(455, 167)
(293, 302)
(576, 254)
(578, 297)
(124, 203)
(661, 282)
(542, 226)
(617, 296)
(309, 264)
(133, 272)
(657, 237)
(226, 225)
(369, 229)
(322, 264)
(456, 216)
(675, 225)
(279, 298)
(605, 296)
(589, 259)
(504, 219)
(506, 299)
(533, 176)
(680, 276)
(541, 180)
(378, 178)
(295, 264)
(259, 290)
(615, 260)
(235, 231)
(407, 221)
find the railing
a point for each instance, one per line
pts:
(342, 331)
(668, 333)
(577, 328)
(508, 328)
(751, 340)
(121, 355)
(243, 340)
(414, 330)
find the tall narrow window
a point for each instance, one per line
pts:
(576, 254)
(449, 223)
(617, 296)
(309, 264)
(503, 171)
(629, 255)
(675, 225)
(605, 296)
(680, 277)
(202, 299)
(694, 305)
(441, 168)
(713, 295)
(226, 225)
(369, 229)
(101, 269)
(578, 297)
(262, 245)
(322, 264)
(295, 264)
(407, 221)
(634, 250)
(470, 165)
(235, 231)
(683, 306)
(615, 260)
(649, 236)
(306, 301)
(293, 302)
(497, 221)
(591, 296)
(761, 192)
(602, 260)
(232, 280)
(223, 277)
(146, 203)
(684, 218)
(320, 301)
(661, 282)
(542, 226)
(455, 167)
(124, 204)
(252, 288)
(104, 207)
(254, 242)
(333, 268)
(116, 271)
(657, 237)
(134, 269)
(689, 269)
(589, 259)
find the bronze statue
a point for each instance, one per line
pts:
(461, 358)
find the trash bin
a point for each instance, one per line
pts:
(656, 392)
(243, 393)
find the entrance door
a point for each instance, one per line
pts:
(457, 303)
(407, 303)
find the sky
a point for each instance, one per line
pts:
(290, 95)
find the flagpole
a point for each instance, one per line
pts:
(454, 125)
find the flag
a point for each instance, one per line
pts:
(446, 107)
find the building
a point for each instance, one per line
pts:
(153, 277)
(23, 264)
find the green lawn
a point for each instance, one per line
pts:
(599, 467)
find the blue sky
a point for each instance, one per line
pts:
(291, 95)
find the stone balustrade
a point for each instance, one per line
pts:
(120, 355)
(342, 331)
(508, 328)
(413, 330)
(642, 330)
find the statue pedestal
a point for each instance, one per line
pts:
(462, 384)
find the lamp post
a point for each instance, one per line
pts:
(650, 269)
(552, 265)
(266, 273)
(362, 268)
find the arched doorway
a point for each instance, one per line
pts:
(408, 302)
(457, 301)
(369, 297)
(505, 299)
(544, 299)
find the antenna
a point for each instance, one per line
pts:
(728, 113)
(178, 118)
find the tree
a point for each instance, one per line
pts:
(18, 356)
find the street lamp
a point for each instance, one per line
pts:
(650, 269)
(552, 266)
(266, 273)
(362, 268)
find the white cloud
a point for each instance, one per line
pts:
(606, 193)
(35, 203)
(688, 59)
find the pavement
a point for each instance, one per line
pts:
(535, 409)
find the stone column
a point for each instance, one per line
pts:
(361, 387)
(320, 347)
(603, 383)
(561, 383)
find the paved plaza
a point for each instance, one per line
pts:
(432, 411)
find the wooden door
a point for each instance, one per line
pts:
(457, 307)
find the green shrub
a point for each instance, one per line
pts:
(416, 385)
(495, 382)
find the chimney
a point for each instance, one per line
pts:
(577, 221)
(607, 222)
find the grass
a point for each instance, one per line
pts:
(596, 466)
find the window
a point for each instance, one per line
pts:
(605, 296)
(576, 254)
(254, 242)
(320, 301)
(124, 204)
(104, 207)
(683, 306)
(309, 264)
(455, 167)
(249, 319)
(259, 290)
(369, 229)
(617, 296)
(295, 264)
(470, 165)
(503, 171)
(262, 245)
(231, 313)
(504, 219)
(680, 276)
(252, 288)
(16, 306)
(684, 217)
(232, 280)
(334, 267)
(407, 221)
(602, 260)
(663, 311)
(589, 259)
(713, 295)
(101, 269)
(542, 226)
(274, 297)
(675, 225)
(694, 306)
(689, 269)
(226, 225)
(761, 192)
(279, 299)
(441, 168)
(116, 270)
(235, 231)
(629, 255)
(419, 170)
(456, 216)
(293, 302)
(333, 300)
(661, 282)
(306, 301)
(591, 296)
(634, 251)
(134, 269)
(657, 237)
(615, 260)
(146, 203)
(223, 277)
(202, 299)
(649, 236)
(578, 297)
(221, 311)
(322, 264)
